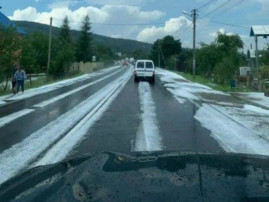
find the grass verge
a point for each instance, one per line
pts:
(207, 82)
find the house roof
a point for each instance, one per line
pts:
(259, 30)
(4, 21)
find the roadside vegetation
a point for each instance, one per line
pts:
(205, 81)
(217, 63)
(31, 51)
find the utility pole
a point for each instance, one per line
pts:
(194, 15)
(159, 56)
(163, 58)
(257, 57)
(49, 50)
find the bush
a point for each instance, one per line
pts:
(265, 72)
(225, 70)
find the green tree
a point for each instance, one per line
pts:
(104, 54)
(139, 53)
(225, 70)
(63, 52)
(169, 47)
(9, 52)
(229, 44)
(184, 60)
(84, 42)
(155, 51)
(264, 60)
(228, 47)
(65, 34)
(221, 57)
(34, 52)
(208, 56)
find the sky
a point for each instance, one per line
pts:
(148, 20)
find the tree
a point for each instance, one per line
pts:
(65, 31)
(225, 70)
(221, 57)
(155, 51)
(228, 47)
(9, 52)
(139, 53)
(229, 44)
(264, 60)
(84, 42)
(169, 47)
(104, 54)
(63, 53)
(185, 60)
(34, 52)
(208, 56)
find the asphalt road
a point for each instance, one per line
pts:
(117, 129)
(170, 125)
(22, 127)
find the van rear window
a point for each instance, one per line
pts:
(140, 65)
(149, 65)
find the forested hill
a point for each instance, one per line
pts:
(120, 45)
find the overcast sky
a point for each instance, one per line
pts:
(162, 17)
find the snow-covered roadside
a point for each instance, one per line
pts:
(50, 87)
(2, 102)
(183, 89)
(19, 156)
(257, 98)
(237, 126)
(231, 135)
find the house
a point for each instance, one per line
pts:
(6, 22)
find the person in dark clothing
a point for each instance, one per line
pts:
(13, 80)
(20, 76)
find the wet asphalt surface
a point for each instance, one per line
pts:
(22, 127)
(117, 129)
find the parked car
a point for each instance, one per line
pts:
(144, 70)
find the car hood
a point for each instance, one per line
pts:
(157, 176)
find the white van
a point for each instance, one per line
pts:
(144, 69)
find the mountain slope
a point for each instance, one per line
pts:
(120, 45)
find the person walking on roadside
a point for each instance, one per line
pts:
(20, 76)
(13, 80)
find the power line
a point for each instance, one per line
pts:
(118, 24)
(232, 6)
(220, 6)
(223, 23)
(182, 32)
(204, 5)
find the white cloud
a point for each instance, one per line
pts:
(109, 14)
(172, 27)
(222, 31)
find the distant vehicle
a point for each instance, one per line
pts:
(124, 63)
(144, 69)
(131, 60)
